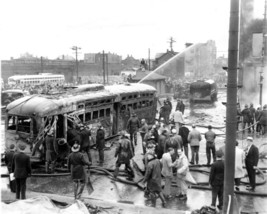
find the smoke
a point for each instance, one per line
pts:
(250, 92)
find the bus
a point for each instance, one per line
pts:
(28, 119)
(37, 79)
(203, 91)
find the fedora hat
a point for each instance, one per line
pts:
(21, 147)
(75, 147)
(250, 138)
(12, 147)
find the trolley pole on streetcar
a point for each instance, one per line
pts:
(229, 201)
(75, 48)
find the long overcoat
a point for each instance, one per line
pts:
(76, 163)
(153, 175)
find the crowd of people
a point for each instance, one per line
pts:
(253, 119)
(165, 147)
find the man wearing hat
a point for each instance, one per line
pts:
(210, 144)
(124, 152)
(175, 141)
(194, 139)
(216, 180)
(85, 141)
(143, 130)
(100, 142)
(251, 162)
(51, 151)
(153, 177)
(8, 161)
(76, 164)
(21, 166)
(133, 125)
(178, 119)
(246, 117)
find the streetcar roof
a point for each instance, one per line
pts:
(44, 105)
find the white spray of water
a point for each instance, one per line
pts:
(168, 61)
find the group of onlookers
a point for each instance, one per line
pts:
(253, 119)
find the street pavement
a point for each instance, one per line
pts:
(117, 193)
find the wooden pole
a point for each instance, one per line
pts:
(229, 202)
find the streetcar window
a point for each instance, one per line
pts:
(135, 106)
(95, 103)
(88, 116)
(11, 123)
(102, 113)
(107, 112)
(95, 114)
(24, 124)
(130, 106)
(123, 98)
(80, 106)
(81, 117)
(109, 100)
(123, 108)
(151, 103)
(143, 104)
(135, 96)
(131, 97)
(88, 104)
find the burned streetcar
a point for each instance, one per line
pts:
(29, 119)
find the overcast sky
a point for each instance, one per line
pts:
(51, 27)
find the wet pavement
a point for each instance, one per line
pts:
(108, 190)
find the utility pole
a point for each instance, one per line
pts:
(148, 59)
(229, 201)
(264, 50)
(75, 48)
(104, 78)
(42, 65)
(171, 43)
(107, 66)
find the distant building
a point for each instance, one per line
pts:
(130, 63)
(96, 58)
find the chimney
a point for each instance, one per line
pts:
(188, 44)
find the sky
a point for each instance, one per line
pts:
(50, 28)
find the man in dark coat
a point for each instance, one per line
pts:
(73, 135)
(143, 130)
(210, 144)
(184, 132)
(124, 152)
(85, 134)
(133, 126)
(251, 162)
(8, 161)
(76, 164)
(246, 118)
(252, 116)
(51, 151)
(153, 179)
(165, 112)
(21, 166)
(100, 143)
(161, 143)
(216, 180)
